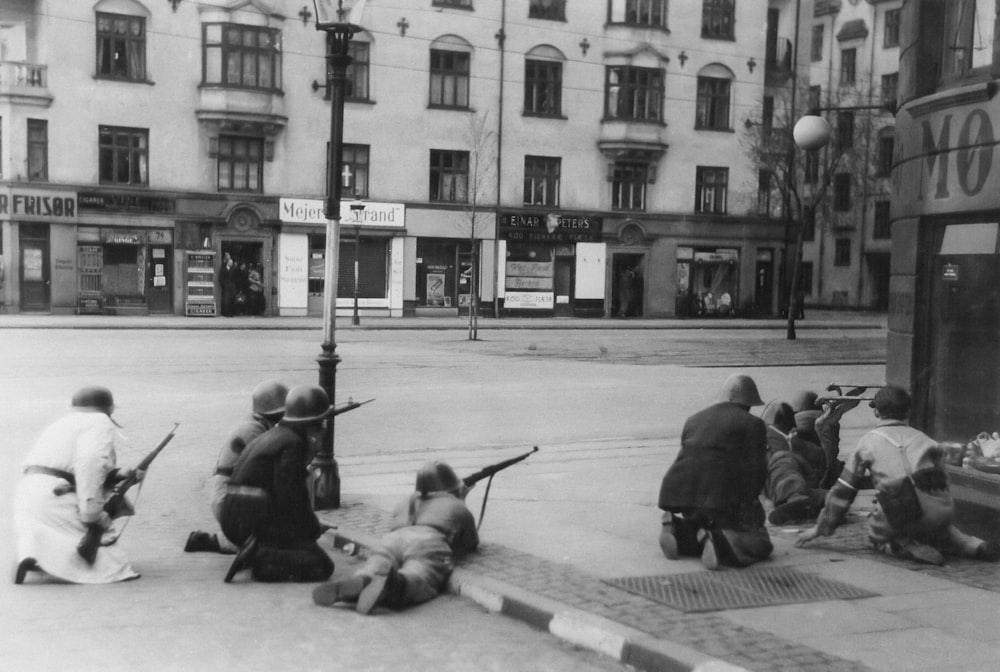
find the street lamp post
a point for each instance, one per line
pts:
(357, 207)
(324, 475)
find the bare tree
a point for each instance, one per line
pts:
(796, 184)
(477, 219)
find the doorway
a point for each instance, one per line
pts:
(35, 279)
(250, 296)
(563, 286)
(627, 290)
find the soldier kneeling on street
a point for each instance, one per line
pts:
(411, 565)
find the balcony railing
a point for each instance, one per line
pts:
(24, 82)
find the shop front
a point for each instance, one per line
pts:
(554, 264)
(122, 271)
(707, 281)
(369, 262)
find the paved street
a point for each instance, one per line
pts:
(604, 406)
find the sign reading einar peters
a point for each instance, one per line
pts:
(313, 211)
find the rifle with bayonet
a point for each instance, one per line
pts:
(116, 504)
(490, 472)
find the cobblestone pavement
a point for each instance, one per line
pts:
(708, 633)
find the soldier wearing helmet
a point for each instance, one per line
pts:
(267, 510)
(411, 565)
(267, 408)
(61, 496)
(710, 493)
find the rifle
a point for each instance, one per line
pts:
(350, 405)
(490, 472)
(116, 504)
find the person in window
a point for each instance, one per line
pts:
(891, 452)
(256, 290)
(228, 275)
(431, 529)
(710, 494)
(67, 476)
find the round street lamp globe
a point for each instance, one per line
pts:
(811, 132)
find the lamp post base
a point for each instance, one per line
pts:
(324, 476)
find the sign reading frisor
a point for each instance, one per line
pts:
(36, 204)
(550, 228)
(313, 211)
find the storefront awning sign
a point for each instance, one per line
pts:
(312, 211)
(37, 204)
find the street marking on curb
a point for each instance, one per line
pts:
(576, 629)
(490, 601)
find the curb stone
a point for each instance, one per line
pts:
(619, 642)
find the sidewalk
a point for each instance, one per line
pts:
(835, 606)
(815, 319)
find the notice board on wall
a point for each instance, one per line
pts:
(200, 300)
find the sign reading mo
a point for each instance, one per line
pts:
(956, 158)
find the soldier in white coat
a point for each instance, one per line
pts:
(62, 493)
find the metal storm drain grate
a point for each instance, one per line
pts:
(738, 588)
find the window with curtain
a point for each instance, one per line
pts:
(628, 185)
(241, 164)
(848, 62)
(121, 47)
(717, 19)
(449, 176)
(38, 150)
(890, 34)
(123, 155)
(713, 104)
(648, 13)
(355, 160)
(711, 189)
(240, 56)
(541, 180)
(542, 88)
(449, 78)
(633, 93)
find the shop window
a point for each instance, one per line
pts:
(449, 78)
(542, 88)
(886, 147)
(890, 34)
(123, 155)
(816, 49)
(848, 63)
(121, 47)
(354, 171)
(554, 10)
(373, 268)
(842, 252)
(713, 104)
(628, 185)
(842, 192)
(883, 225)
(449, 173)
(240, 164)
(890, 91)
(633, 93)
(123, 274)
(717, 19)
(238, 56)
(38, 150)
(711, 189)
(541, 180)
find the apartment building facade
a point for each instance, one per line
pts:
(581, 158)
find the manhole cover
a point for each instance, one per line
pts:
(738, 589)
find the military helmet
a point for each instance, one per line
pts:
(269, 398)
(805, 401)
(739, 388)
(437, 477)
(94, 396)
(306, 404)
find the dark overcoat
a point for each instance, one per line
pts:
(722, 464)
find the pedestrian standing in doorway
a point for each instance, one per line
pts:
(710, 494)
(227, 284)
